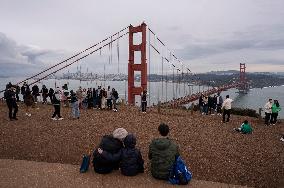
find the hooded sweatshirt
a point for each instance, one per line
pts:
(162, 153)
(131, 159)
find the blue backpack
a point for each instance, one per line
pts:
(179, 174)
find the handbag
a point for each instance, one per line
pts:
(85, 163)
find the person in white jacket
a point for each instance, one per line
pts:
(268, 111)
(227, 106)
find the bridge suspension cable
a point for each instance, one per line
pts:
(97, 49)
(66, 60)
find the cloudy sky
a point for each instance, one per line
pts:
(206, 35)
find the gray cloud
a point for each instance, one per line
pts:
(19, 59)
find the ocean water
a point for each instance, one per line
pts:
(161, 91)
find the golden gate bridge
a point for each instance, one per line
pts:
(140, 66)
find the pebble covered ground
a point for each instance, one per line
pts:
(211, 149)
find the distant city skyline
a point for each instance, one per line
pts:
(205, 35)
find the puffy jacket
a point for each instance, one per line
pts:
(102, 164)
(162, 153)
(275, 109)
(131, 159)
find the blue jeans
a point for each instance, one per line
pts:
(75, 109)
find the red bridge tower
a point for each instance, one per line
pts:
(137, 66)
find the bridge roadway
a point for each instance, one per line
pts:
(190, 98)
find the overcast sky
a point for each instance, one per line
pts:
(206, 35)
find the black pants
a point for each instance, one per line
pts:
(144, 105)
(109, 104)
(228, 113)
(219, 108)
(274, 118)
(56, 111)
(267, 118)
(17, 97)
(12, 105)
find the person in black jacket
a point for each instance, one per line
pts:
(131, 159)
(111, 144)
(131, 162)
(35, 92)
(50, 94)
(10, 98)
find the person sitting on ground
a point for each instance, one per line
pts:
(245, 128)
(131, 159)
(111, 144)
(162, 153)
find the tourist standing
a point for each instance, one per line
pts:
(9, 96)
(227, 106)
(200, 103)
(205, 105)
(114, 96)
(275, 109)
(18, 89)
(50, 94)
(79, 96)
(162, 153)
(144, 101)
(23, 90)
(35, 92)
(56, 103)
(29, 101)
(219, 104)
(268, 111)
(103, 98)
(109, 100)
(74, 105)
(44, 93)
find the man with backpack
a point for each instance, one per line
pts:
(9, 96)
(162, 153)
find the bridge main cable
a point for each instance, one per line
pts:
(71, 57)
(79, 59)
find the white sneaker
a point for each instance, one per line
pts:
(29, 115)
(282, 139)
(54, 119)
(60, 118)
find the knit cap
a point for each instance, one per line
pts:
(119, 133)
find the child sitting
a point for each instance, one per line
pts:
(245, 128)
(131, 162)
(131, 159)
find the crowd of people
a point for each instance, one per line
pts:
(82, 98)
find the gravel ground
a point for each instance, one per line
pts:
(211, 149)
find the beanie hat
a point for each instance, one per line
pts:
(119, 133)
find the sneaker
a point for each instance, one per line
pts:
(282, 139)
(15, 118)
(54, 119)
(27, 114)
(60, 118)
